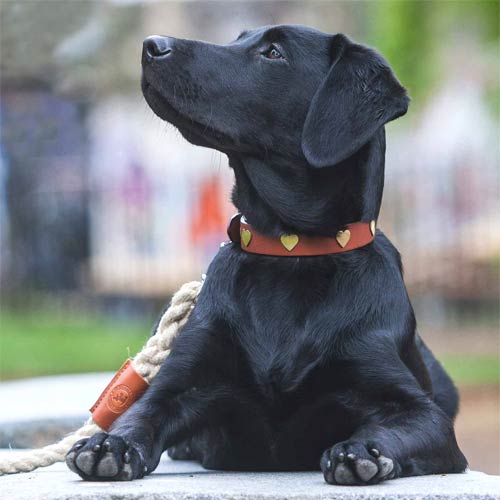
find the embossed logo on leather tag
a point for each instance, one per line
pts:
(118, 398)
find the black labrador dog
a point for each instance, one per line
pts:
(289, 363)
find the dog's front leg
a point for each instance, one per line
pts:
(182, 398)
(401, 431)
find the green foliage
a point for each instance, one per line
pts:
(473, 369)
(402, 31)
(417, 36)
(481, 17)
(40, 344)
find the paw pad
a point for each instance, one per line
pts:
(105, 457)
(356, 463)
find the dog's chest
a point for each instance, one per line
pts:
(276, 332)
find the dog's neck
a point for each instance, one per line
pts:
(278, 198)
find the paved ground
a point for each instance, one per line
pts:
(187, 481)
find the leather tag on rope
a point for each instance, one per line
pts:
(125, 388)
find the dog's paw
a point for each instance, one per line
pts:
(104, 457)
(356, 463)
(181, 451)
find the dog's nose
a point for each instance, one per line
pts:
(157, 47)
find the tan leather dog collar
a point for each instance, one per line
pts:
(350, 237)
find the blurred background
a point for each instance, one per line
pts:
(101, 204)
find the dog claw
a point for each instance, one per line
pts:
(96, 448)
(375, 452)
(126, 457)
(351, 456)
(107, 446)
(341, 457)
(329, 464)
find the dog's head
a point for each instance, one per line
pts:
(286, 95)
(279, 91)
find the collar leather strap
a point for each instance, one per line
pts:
(352, 236)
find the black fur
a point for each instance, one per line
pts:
(289, 363)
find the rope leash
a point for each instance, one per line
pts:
(147, 364)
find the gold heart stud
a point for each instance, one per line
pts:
(246, 237)
(373, 227)
(289, 241)
(343, 237)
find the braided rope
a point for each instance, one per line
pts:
(147, 363)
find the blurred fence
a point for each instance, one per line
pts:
(100, 198)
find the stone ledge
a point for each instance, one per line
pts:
(188, 481)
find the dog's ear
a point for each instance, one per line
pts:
(358, 96)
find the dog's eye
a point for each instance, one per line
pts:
(272, 53)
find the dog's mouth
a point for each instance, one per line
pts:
(161, 107)
(193, 130)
